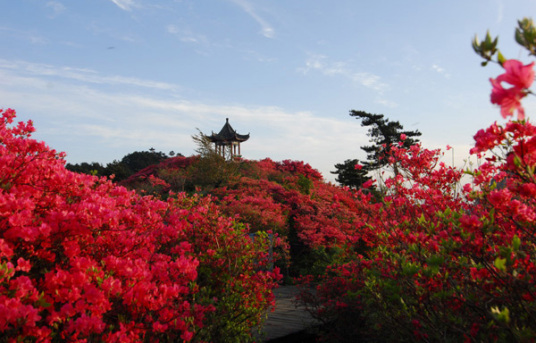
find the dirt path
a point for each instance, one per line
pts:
(287, 318)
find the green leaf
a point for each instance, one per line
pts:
(476, 45)
(519, 37)
(500, 263)
(421, 220)
(501, 58)
(516, 243)
(502, 316)
(41, 302)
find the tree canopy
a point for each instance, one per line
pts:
(349, 175)
(122, 169)
(383, 135)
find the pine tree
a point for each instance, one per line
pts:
(349, 175)
(383, 135)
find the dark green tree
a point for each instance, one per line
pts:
(138, 160)
(349, 175)
(383, 135)
(128, 165)
(93, 168)
(118, 169)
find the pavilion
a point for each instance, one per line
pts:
(227, 141)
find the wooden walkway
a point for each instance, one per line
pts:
(286, 318)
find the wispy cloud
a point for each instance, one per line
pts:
(57, 8)
(186, 35)
(82, 75)
(500, 11)
(386, 103)
(25, 35)
(370, 81)
(125, 5)
(70, 114)
(266, 29)
(441, 71)
(321, 64)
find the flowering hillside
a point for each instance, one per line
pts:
(82, 259)
(312, 220)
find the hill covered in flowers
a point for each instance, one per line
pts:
(310, 220)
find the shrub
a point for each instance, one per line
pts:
(84, 259)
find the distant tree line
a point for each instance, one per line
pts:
(122, 169)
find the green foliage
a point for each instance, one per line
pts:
(119, 170)
(304, 184)
(138, 160)
(127, 166)
(212, 170)
(348, 175)
(383, 134)
(93, 168)
(525, 35)
(485, 49)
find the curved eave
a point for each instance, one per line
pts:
(217, 138)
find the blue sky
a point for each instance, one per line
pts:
(104, 78)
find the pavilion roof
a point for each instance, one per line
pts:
(227, 134)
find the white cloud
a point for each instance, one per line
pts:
(319, 63)
(186, 35)
(266, 29)
(56, 6)
(500, 11)
(441, 71)
(80, 74)
(125, 5)
(370, 81)
(72, 114)
(24, 35)
(386, 103)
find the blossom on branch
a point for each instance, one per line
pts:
(520, 77)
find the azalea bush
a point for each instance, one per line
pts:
(234, 277)
(309, 220)
(82, 259)
(313, 220)
(447, 262)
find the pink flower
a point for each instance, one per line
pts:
(509, 99)
(368, 184)
(403, 137)
(358, 167)
(520, 77)
(517, 74)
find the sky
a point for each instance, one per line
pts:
(104, 78)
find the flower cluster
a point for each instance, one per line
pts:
(82, 259)
(445, 263)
